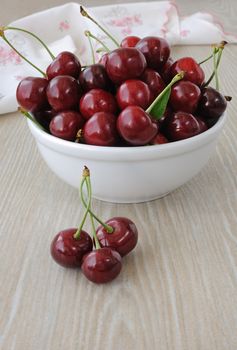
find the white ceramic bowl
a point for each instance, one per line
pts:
(128, 174)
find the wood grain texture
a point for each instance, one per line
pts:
(177, 291)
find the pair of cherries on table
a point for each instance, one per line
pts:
(113, 239)
(109, 103)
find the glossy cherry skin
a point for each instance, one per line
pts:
(185, 96)
(130, 41)
(212, 103)
(133, 93)
(181, 126)
(156, 51)
(100, 130)
(165, 72)
(159, 139)
(102, 265)
(45, 117)
(97, 100)
(31, 94)
(66, 63)
(124, 237)
(66, 124)
(154, 82)
(125, 63)
(202, 124)
(193, 71)
(135, 126)
(94, 77)
(103, 59)
(63, 93)
(168, 112)
(68, 251)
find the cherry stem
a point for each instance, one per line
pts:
(215, 71)
(85, 14)
(176, 78)
(98, 40)
(84, 177)
(24, 58)
(28, 116)
(97, 243)
(219, 50)
(91, 46)
(34, 35)
(108, 228)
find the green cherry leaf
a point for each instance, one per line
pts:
(159, 108)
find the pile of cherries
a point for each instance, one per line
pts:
(109, 103)
(112, 240)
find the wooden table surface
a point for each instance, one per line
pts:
(177, 291)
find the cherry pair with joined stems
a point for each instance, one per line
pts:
(112, 240)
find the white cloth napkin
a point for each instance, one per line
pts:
(62, 28)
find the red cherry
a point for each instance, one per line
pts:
(103, 59)
(125, 63)
(168, 112)
(65, 125)
(154, 82)
(156, 51)
(181, 126)
(66, 63)
(133, 92)
(68, 251)
(130, 41)
(102, 265)
(93, 77)
(193, 71)
(159, 139)
(31, 94)
(135, 126)
(63, 93)
(165, 72)
(212, 103)
(124, 237)
(97, 100)
(45, 117)
(202, 124)
(100, 130)
(185, 96)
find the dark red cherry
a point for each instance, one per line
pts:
(185, 96)
(165, 72)
(94, 77)
(168, 112)
(66, 63)
(154, 82)
(125, 63)
(159, 139)
(45, 117)
(68, 251)
(100, 130)
(102, 265)
(156, 50)
(193, 71)
(135, 126)
(202, 124)
(133, 93)
(212, 103)
(181, 126)
(63, 93)
(97, 100)
(66, 124)
(130, 41)
(124, 237)
(31, 94)
(103, 59)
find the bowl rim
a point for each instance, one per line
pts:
(126, 153)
